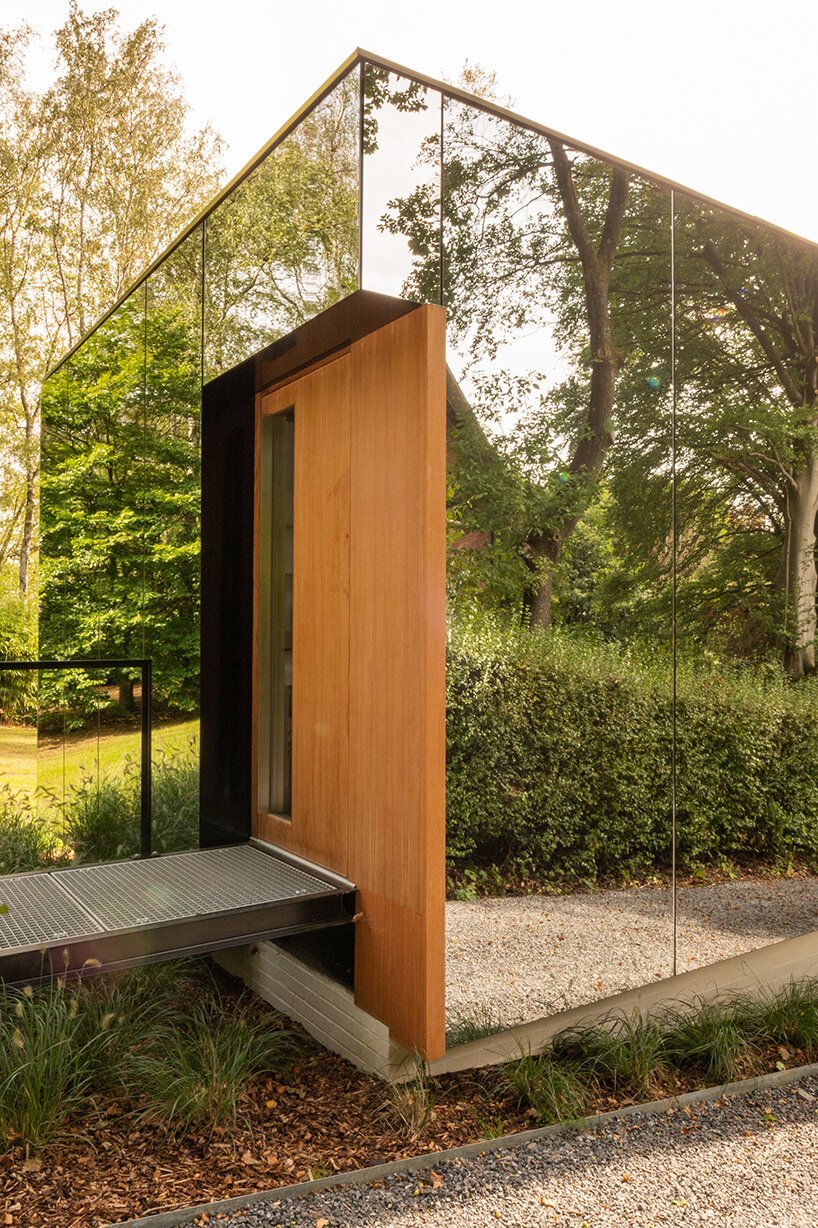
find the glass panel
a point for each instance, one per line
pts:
(400, 214)
(281, 493)
(747, 305)
(23, 843)
(172, 503)
(92, 575)
(558, 295)
(88, 764)
(26, 842)
(284, 245)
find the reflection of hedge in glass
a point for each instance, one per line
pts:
(559, 756)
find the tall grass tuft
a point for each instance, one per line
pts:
(195, 1067)
(51, 1052)
(629, 1055)
(102, 818)
(554, 1089)
(484, 1022)
(711, 1041)
(26, 842)
(788, 1016)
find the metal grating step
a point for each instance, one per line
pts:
(86, 919)
(39, 912)
(185, 885)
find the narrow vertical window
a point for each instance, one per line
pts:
(281, 612)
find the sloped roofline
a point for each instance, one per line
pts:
(358, 57)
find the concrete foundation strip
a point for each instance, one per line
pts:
(379, 1172)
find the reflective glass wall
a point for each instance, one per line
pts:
(632, 490)
(121, 489)
(631, 403)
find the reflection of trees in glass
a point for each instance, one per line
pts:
(172, 473)
(120, 492)
(401, 172)
(748, 432)
(91, 494)
(557, 286)
(542, 250)
(99, 172)
(284, 245)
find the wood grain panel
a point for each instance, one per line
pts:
(397, 672)
(318, 826)
(369, 656)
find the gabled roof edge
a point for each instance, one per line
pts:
(358, 56)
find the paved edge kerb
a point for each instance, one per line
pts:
(430, 1159)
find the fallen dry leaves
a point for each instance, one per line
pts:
(328, 1117)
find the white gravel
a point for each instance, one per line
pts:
(751, 1162)
(524, 957)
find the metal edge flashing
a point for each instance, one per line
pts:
(98, 953)
(361, 57)
(333, 880)
(431, 1159)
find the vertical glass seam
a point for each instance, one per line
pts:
(361, 83)
(144, 432)
(673, 571)
(202, 287)
(441, 188)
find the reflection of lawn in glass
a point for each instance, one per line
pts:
(23, 766)
(18, 758)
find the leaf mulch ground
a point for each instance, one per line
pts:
(327, 1117)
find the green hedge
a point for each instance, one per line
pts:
(559, 757)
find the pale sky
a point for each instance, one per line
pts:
(716, 94)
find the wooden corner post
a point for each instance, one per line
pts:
(368, 653)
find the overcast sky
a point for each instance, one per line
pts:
(717, 94)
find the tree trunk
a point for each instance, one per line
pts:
(586, 463)
(797, 575)
(30, 513)
(126, 696)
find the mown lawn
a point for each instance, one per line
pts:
(58, 763)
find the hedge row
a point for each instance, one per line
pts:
(560, 757)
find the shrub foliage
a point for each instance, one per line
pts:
(559, 756)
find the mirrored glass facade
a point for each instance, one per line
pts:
(632, 407)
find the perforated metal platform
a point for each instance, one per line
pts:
(128, 912)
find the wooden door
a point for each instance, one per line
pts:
(367, 796)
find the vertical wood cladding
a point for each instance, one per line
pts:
(369, 655)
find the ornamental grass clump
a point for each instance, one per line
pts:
(788, 1016)
(51, 1052)
(197, 1064)
(628, 1055)
(711, 1041)
(555, 1089)
(27, 842)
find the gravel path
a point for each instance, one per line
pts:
(520, 958)
(751, 1162)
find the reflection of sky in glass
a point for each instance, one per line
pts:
(533, 348)
(394, 171)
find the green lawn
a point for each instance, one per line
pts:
(58, 764)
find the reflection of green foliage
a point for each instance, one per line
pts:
(559, 756)
(121, 492)
(27, 841)
(284, 245)
(382, 88)
(18, 637)
(100, 818)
